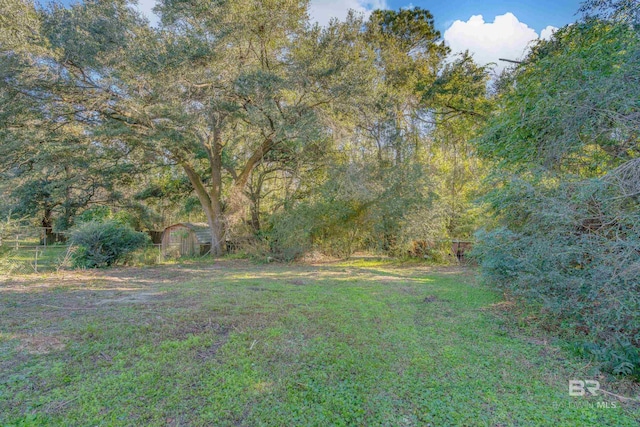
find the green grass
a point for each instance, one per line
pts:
(234, 343)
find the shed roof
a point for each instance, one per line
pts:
(200, 230)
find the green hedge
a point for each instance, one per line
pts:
(104, 243)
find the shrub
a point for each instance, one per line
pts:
(577, 255)
(147, 255)
(564, 144)
(102, 244)
(290, 234)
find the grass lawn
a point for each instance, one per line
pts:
(233, 343)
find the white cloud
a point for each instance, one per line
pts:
(323, 10)
(547, 32)
(505, 37)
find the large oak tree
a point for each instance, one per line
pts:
(218, 88)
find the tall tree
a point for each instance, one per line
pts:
(217, 89)
(54, 167)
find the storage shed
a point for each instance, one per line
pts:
(186, 239)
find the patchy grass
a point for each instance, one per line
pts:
(234, 343)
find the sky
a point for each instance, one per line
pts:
(489, 29)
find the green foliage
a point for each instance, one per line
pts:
(138, 217)
(616, 10)
(289, 238)
(359, 206)
(97, 99)
(96, 214)
(104, 243)
(147, 255)
(334, 228)
(19, 25)
(564, 194)
(572, 249)
(573, 105)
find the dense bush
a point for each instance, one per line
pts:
(102, 244)
(359, 207)
(574, 249)
(328, 227)
(565, 200)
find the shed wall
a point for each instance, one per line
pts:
(180, 240)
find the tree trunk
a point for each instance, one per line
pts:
(211, 201)
(254, 194)
(47, 223)
(255, 217)
(212, 208)
(216, 225)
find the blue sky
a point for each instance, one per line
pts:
(538, 14)
(489, 29)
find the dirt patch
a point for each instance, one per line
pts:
(431, 298)
(502, 306)
(40, 344)
(137, 298)
(211, 351)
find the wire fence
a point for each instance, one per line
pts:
(26, 258)
(28, 249)
(34, 258)
(31, 236)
